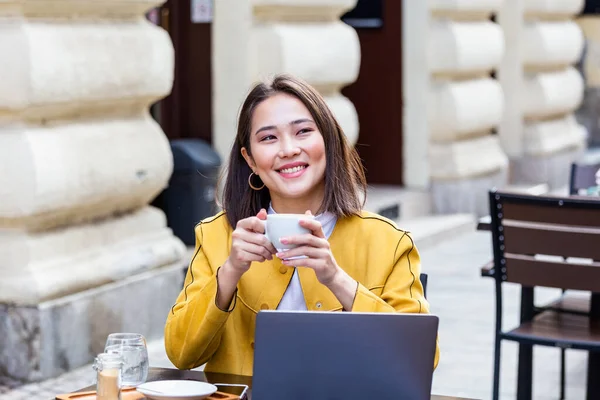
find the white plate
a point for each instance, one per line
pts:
(176, 390)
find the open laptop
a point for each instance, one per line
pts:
(346, 356)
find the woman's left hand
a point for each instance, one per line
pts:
(315, 249)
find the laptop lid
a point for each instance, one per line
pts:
(340, 355)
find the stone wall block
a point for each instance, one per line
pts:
(553, 136)
(81, 171)
(88, 9)
(45, 340)
(300, 10)
(552, 8)
(102, 65)
(456, 160)
(324, 54)
(552, 44)
(345, 113)
(552, 93)
(39, 266)
(457, 109)
(465, 47)
(465, 7)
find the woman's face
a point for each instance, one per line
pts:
(288, 151)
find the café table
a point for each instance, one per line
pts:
(161, 374)
(524, 379)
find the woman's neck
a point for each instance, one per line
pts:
(296, 206)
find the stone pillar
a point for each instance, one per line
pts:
(452, 103)
(80, 160)
(590, 109)
(542, 89)
(256, 39)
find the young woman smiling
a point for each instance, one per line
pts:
(290, 155)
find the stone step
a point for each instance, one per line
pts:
(428, 231)
(396, 202)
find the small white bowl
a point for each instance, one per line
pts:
(176, 390)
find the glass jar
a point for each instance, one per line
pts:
(108, 376)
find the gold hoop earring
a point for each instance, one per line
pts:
(251, 185)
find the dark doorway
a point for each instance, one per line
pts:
(377, 94)
(187, 111)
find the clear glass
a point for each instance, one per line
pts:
(132, 348)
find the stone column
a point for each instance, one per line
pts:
(590, 109)
(80, 160)
(542, 89)
(256, 39)
(452, 103)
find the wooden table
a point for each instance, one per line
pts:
(161, 374)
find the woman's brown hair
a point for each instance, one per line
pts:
(345, 183)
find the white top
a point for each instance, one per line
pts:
(293, 298)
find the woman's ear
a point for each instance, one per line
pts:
(248, 159)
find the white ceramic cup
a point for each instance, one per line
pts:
(284, 225)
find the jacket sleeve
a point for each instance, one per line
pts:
(402, 291)
(195, 324)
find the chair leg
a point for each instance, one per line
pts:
(496, 389)
(525, 372)
(562, 373)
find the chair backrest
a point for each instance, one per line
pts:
(583, 176)
(423, 278)
(533, 237)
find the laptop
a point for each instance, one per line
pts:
(341, 355)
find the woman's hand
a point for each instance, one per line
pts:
(315, 249)
(249, 243)
(318, 256)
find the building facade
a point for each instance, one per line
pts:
(485, 92)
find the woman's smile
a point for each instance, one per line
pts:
(292, 170)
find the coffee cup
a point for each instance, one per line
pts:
(285, 225)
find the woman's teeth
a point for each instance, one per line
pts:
(292, 170)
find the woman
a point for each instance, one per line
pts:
(290, 156)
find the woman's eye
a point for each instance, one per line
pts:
(305, 130)
(268, 137)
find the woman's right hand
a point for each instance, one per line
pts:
(249, 243)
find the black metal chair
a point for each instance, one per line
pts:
(583, 176)
(533, 238)
(423, 278)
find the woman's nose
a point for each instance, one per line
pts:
(288, 149)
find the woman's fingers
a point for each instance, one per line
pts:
(307, 251)
(314, 226)
(262, 214)
(306, 240)
(255, 238)
(256, 250)
(254, 224)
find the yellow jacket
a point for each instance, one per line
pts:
(370, 248)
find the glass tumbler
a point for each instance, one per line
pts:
(132, 348)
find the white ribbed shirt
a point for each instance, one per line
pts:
(293, 298)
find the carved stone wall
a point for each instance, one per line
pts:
(255, 39)
(453, 104)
